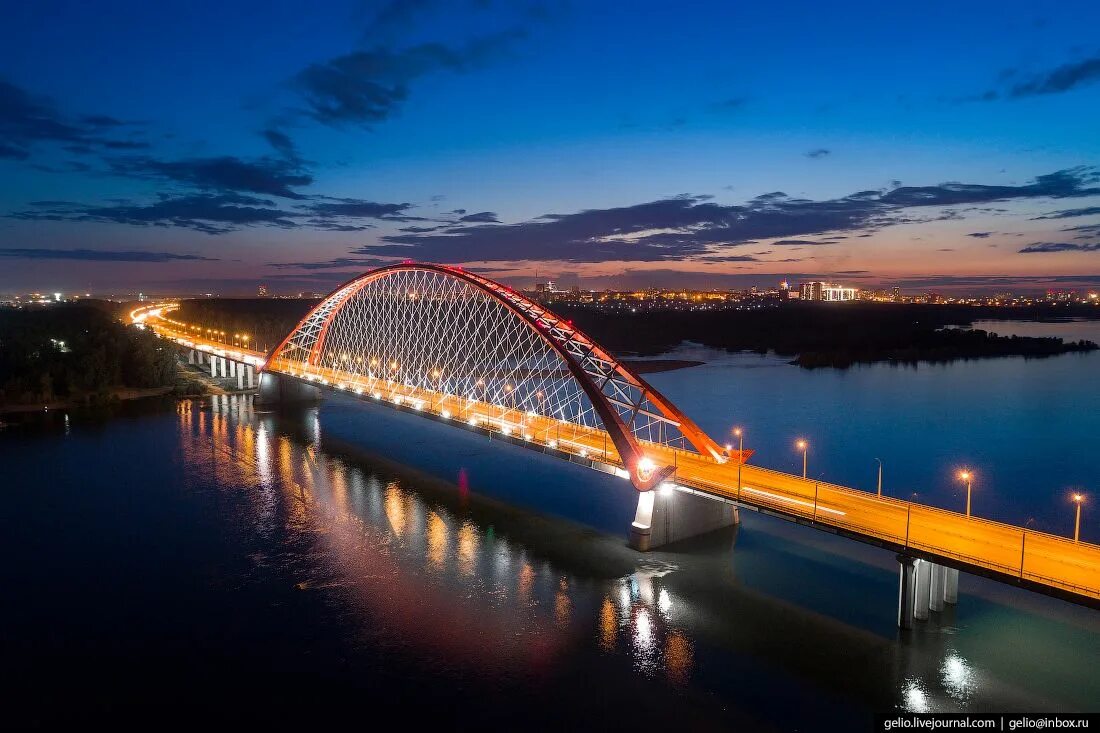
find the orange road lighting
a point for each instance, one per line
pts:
(1078, 499)
(968, 477)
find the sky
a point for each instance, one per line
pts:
(211, 147)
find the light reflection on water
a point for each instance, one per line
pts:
(415, 563)
(444, 582)
(383, 568)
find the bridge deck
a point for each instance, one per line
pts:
(1037, 560)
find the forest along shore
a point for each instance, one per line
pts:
(70, 355)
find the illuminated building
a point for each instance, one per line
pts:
(827, 292)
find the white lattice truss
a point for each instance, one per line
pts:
(441, 330)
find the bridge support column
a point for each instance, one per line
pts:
(951, 586)
(920, 595)
(250, 376)
(278, 390)
(232, 368)
(666, 515)
(191, 356)
(907, 589)
(922, 587)
(240, 376)
(224, 364)
(213, 366)
(935, 594)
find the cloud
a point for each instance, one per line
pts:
(1092, 228)
(395, 17)
(686, 227)
(97, 255)
(221, 213)
(1069, 213)
(979, 235)
(13, 152)
(27, 120)
(358, 208)
(818, 153)
(207, 213)
(333, 264)
(994, 282)
(266, 176)
(366, 87)
(282, 144)
(1062, 79)
(798, 242)
(484, 217)
(1044, 247)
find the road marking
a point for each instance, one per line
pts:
(789, 500)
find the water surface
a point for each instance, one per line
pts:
(204, 562)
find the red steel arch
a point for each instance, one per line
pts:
(580, 353)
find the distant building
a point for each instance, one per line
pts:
(896, 294)
(262, 291)
(826, 292)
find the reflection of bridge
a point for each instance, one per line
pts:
(456, 347)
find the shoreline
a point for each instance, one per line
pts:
(121, 394)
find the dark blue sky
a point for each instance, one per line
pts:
(213, 146)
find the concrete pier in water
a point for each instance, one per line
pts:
(923, 587)
(279, 390)
(666, 515)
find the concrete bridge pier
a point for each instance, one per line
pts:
(951, 586)
(278, 390)
(213, 366)
(191, 356)
(923, 586)
(666, 515)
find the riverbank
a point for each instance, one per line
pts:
(116, 395)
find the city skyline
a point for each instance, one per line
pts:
(951, 150)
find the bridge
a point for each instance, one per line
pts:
(455, 347)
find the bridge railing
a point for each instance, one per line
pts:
(1019, 552)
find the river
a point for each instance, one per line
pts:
(203, 562)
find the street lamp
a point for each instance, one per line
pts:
(879, 476)
(740, 435)
(803, 446)
(1078, 499)
(968, 477)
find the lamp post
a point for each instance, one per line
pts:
(968, 477)
(740, 434)
(879, 477)
(803, 446)
(1078, 499)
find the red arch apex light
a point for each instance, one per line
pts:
(543, 323)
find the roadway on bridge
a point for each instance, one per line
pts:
(1048, 560)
